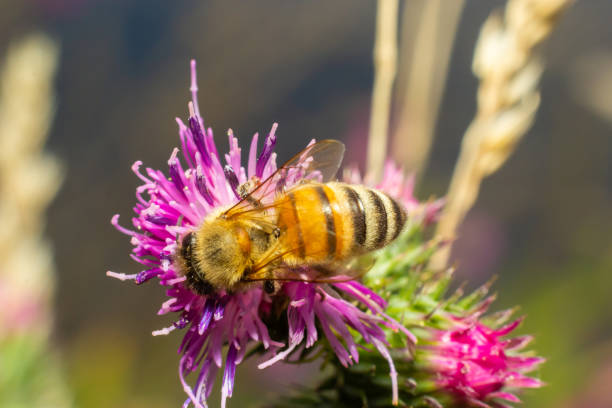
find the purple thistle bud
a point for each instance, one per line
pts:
(472, 362)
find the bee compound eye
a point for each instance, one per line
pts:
(187, 240)
(186, 246)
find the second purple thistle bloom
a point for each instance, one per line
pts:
(334, 311)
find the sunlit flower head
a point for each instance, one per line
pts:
(479, 367)
(219, 329)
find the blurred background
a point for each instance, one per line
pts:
(542, 223)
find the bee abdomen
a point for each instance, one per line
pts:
(372, 219)
(335, 221)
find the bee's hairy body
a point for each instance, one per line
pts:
(313, 224)
(220, 252)
(334, 222)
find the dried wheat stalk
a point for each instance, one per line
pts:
(385, 62)
(29, 179)
(509, 70)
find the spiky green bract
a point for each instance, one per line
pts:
(460, 360)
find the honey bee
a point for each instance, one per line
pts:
(273, 231)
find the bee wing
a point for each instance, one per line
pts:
(332, 273)
(317, 162)
(319, 274)
(308, 273)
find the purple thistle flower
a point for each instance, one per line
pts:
(472, 362)
(168, 208)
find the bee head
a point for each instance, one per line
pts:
(216, 255)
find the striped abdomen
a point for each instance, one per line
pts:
(335, 221)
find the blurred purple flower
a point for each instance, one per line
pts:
(482, 245)
(168, 208)
(472, 362)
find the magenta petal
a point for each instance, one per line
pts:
(509, 327)
(269, 144)
(477, 403)
(520, 381)
(505, 395)
(253, 156)
(207, 315)
(232, 179)
(518, 343)
(228, 376)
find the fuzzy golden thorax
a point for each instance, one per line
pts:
(219, 253)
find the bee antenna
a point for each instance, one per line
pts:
(179, 223)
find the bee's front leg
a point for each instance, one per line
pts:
(245, 189)
(276, 233)
(271, 286)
